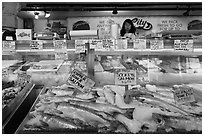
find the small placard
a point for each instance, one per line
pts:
(5, 73)
(125, 77)
(61, 56)
(9, 45)
(108, 44)
(184, 95)
(80, 81)
(60, 45)
(156, 44)
(36, 45)
(121, 44)
(80, 46)
(183, 45)
(139, 44)
(95, 44)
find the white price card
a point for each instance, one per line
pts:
(156, 44)
(80, 81)
(125, 77)
(9, 45)
(108, 44)
(121, 44)
(95, 44)
(80, 46)
(139, 43)
(184, 95)
(36, 45)
(183, 45)
(60, 45)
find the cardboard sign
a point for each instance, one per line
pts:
(125, 77)
(60, 45)
(36, 45)
(184, 95)
(80, 81)
(80, 46)
(156, 44)
(9, 45)
(183, 45)
(108, 44)
(139, 44)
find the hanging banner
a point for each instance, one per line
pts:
(139, 44)
(156, 44)
(184, 95)
(60, 45)
(125, 77)
(9, 45)
(80, 46)
(183, 45)
(36, 45)
(80, 81)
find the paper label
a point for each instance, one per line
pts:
(156, 44)
(80, 46)
(80, 81)
(60, 45)
(108, 44)
(36, 45)
(125, 77)
(9, 45)
(183, 45)
(184, 95)
(139, 44)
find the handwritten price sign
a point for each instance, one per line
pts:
(125, 77)
(9, 45)
(183, 45)
(184, 95)
(156, 44)
(80, 46)
(60, 45)
(108, 44)
(80, 81)
(36, 45)
(139, 44)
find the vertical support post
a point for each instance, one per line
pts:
(90, 61)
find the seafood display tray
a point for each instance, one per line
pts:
(9, 109)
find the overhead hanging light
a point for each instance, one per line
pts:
(36, 15)
(47, 14)
(115, 11)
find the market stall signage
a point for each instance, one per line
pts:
(184, 95)
(141, 24)
(95, 44)
(156, 44)
(80, 81)
(60, 45)
(5, 73)
(108, 44)
(36, 45)
(183, 45)
(80, 46)
(139, 44)
(9, 45)
(125, 77)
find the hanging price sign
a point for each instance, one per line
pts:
(139, 43)
(9, 45)
(183, 45)
(80, 46)
(60, 45)
(125, 77)
(36, 45)
(108, 44)
(184, 95)
(156, 44)
(80, 81)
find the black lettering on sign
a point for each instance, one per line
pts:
(141, 24)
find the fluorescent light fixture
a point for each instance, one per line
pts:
(36, 15)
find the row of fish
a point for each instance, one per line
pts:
(111, 110)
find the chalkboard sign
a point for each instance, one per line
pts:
(80, 81)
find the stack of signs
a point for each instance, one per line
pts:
(108, 44)
(139, 44)
(125, 77)
(184, 94)
(80, 81)
(60, 49)
(36, 45)
(22, 79)
(80, 46)
(121, 44)
(156, 44)
(9, 45)
(96, 44)
(183, 45)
